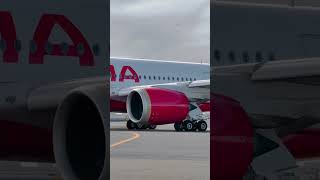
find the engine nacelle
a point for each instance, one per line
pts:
(80, 135)
(157, 106)
(231, 139)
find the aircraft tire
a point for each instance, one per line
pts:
(202, 125)
(178, 126)
(140, 126)
(131, 125)
(152, 126)
(188, 125)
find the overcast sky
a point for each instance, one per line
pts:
(161, 29)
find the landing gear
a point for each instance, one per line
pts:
(131, 125)
(195, 120)
(152, 126)
(138, 126)
(201, 125)
(189, 125)
(178, 126)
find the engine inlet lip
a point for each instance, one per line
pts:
(146, 106)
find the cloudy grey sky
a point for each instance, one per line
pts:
(161, 29)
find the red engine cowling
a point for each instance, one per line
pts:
(304, 144)
(205, 107)
(157, 106)
(231, 136)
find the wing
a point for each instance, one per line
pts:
(288, 69)
(279, 93)
(51, 95)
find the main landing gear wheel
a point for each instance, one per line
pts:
(202, 125)
(178, 126)
(138, 126)
(131, 125)
(152, 126)
(188, 125)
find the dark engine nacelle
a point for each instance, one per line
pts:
(80, 135)
(157, 106)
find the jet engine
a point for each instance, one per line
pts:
(157, 106)
(80, 135)
(231, 139)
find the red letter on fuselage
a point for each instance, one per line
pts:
(133, 76)
(43, 32)
(9, 37)
(112, 73)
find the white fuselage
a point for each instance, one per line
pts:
(126, 73)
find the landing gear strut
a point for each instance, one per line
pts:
(138, 126)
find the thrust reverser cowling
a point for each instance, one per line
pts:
(80, 135)
(157, 106)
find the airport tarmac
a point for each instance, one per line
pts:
(159, 154)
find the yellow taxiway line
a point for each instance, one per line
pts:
(134, 136)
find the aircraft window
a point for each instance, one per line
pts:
(217, 55)
(177, 78)
(172, 78)
(115, 76)
(144, 77)
(154, 77)
(182, 79)
(194, 79)
(96, 49)
(168, 78)
(231, 56)
(159, 77)
(258, 56)
(64, 47)
(17, 45)
(245, 56)
(33, 46)
(139, 76)
(80, 49)
(271, 56)
(164, 78)
(149, 77)
(48, 48)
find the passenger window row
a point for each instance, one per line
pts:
(158, 78)
(49, 47)
(244, 56)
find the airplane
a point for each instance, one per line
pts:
(55, 87)
(149, 90)
(53, 103)
(265, 89)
